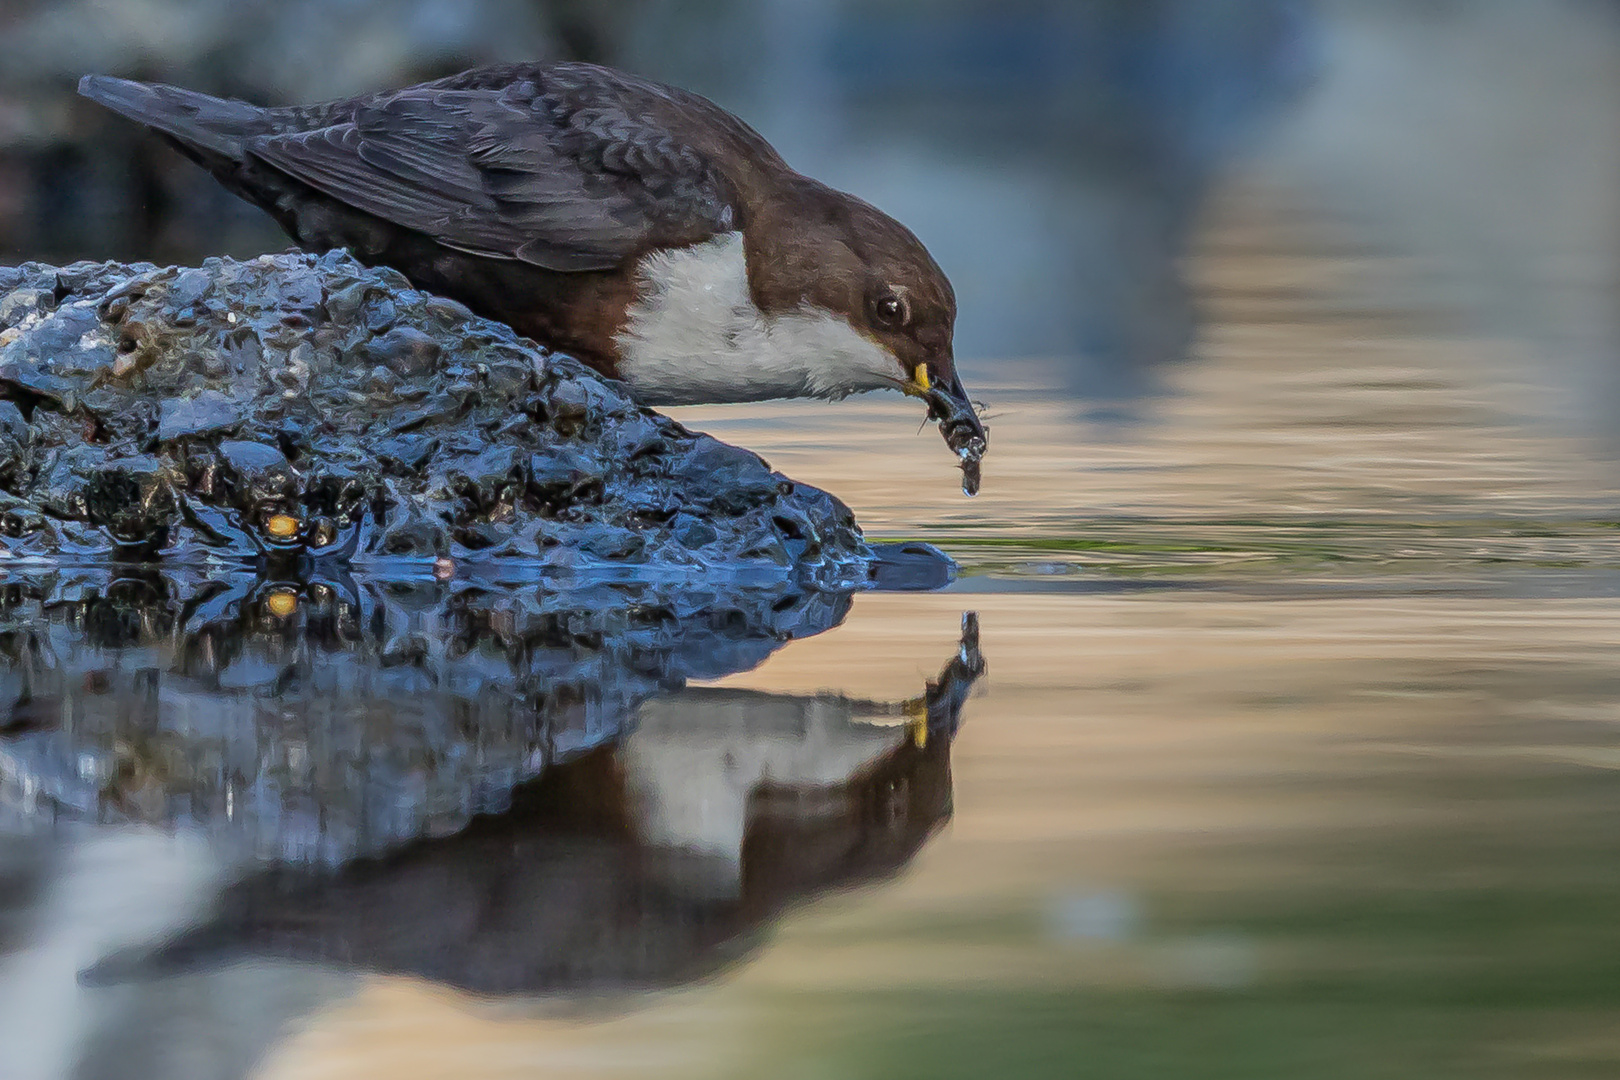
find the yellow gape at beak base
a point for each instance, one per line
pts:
(921, 375)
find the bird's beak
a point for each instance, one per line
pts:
(964, 432)
(920, 382)
(951, 407)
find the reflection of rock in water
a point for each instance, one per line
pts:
(594, 880)
(321, 721)
(23, 869)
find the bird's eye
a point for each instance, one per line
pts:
(891, 310)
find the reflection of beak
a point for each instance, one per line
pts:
(963, 430)
(938, 709)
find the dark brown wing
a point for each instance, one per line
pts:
(512, 172)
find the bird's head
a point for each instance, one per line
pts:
(831, 252)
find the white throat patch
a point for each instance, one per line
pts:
(695, 337)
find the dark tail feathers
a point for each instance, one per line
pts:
(210, 124)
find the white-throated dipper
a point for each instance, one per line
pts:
(637, 226)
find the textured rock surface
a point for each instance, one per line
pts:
(309, 405)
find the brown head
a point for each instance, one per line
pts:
(823, 249)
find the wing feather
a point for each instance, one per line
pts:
(511, 173)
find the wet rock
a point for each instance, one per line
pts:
(693, 532)
(206, 413)
(565, 474)
(309, 405)
(404, 350)
(132, 499)
(724, 478)
(13, 444)
(615, 544)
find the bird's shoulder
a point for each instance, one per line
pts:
(605, 116)
(566, 166)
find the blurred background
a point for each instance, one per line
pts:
(1057, 155)
(1294, 753)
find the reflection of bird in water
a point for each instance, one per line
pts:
(401, 709)
(588, 883)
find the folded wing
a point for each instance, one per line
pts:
(510, 173)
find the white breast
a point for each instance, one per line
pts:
(695, 336)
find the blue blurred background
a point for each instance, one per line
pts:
(1055, 154)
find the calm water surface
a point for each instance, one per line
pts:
(1284, 745)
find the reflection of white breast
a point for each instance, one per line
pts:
(695, 336)
(696, 756)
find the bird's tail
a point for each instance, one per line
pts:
(204, 123)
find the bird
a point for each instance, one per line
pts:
(637, 226)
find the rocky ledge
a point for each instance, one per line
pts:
(309, 406)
